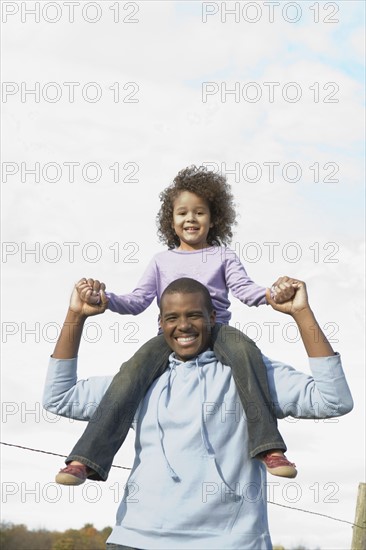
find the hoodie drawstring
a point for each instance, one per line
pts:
(204, 436)
(167, 387)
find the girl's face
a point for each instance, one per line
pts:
(191, 221)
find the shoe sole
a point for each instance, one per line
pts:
(283, 471)
(68, 479)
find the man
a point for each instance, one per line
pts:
(193, 484)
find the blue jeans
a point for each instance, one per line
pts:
(108, 428)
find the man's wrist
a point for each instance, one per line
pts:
(303, 316)
(75, 317)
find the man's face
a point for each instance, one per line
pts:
(186, 324)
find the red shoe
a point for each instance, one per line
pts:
(73, 474)
(278, 465)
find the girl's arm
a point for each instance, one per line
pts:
(247, 291)
(239, 282)
(134, 302)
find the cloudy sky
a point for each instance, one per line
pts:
(103, 103)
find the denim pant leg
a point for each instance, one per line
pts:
(108, 427)
(235, 349)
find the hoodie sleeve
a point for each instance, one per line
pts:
(324, 395)
(64, 395)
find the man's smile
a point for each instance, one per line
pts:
(186, 340)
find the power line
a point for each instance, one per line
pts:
(126, 468)
(49, 453)
(316, 514)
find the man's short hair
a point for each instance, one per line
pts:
(185, 285)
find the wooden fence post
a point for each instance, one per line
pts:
(359, 534)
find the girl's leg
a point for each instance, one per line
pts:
(235, 349)
(108, 428)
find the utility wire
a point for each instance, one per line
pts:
(269, 501)
(317, 514)
(49, 453)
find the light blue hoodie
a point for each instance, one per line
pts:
(193, 485)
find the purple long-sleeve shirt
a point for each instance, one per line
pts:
(217, 268)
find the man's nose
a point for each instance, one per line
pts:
(184, 324)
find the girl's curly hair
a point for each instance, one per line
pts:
(214, 189)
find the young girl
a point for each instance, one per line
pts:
(195, 221)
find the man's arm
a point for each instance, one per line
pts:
(326, 393)
(67, 345)
(63, 394)
(315, 342)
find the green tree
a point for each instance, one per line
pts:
(18, 537)
(87, 538)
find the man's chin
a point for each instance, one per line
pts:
(186, 355)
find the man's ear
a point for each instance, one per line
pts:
(159, 320)
(213, 317)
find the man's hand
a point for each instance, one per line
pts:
(299, 300)
(282, 290)
(83, 298)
